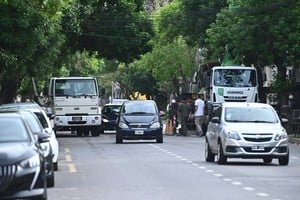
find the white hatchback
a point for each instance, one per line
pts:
(246, 130)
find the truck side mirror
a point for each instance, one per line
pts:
(45, 91)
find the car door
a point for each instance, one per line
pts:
(214, 128)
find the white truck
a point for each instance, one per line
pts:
(233, 84)
(74, 104)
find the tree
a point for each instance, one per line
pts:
(117, 29)
(260, 33)
(169, 63)
(30, 44)
(188, 19)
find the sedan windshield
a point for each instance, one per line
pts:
(256, 115)
(139, 108)
(12, 130)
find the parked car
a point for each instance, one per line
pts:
(22, 163)
(139, 119)
(44, 120)
(110, 113)
(37, 128)
(246, 130)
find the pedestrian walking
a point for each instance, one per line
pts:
(184, 110)
(199, 114)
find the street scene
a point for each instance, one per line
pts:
(149, 100)
(97, 168)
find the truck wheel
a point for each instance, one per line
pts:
(95, 132)
(83, 131)
(119, 140)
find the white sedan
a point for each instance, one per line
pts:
(246, 130)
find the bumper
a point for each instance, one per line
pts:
(111, 125)
(26, 184)
(86, 120)
(139, 134)
(25, 194)
(241, 149)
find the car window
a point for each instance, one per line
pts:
(139, 108)
(12, 130)
(34, 124)
(250, 115)
(42, 119)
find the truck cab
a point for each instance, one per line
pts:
(74, 103)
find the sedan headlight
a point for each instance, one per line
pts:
(155, 125)
(122, 125)
(232, 134)
(280, 136)
(31, 162)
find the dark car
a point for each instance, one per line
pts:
(139, 119)
(22, 164)
(36, 127)
(110, 114)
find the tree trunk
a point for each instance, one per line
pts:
(8, 91)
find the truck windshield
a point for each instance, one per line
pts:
(235, 77)
(75, 87)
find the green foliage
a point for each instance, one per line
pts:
(117, 29)
(169, 62)
(29, 43)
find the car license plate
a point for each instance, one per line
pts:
(258, 148)
(77, 118)
(139, 132)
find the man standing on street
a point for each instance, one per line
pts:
(199, 114)
(184, 111)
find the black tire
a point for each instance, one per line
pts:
(221, 159)
(159, 139)
(95, 132)
(284, 160)
(267, 160)
(119, 140)
(209, 156)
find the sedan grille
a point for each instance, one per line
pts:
(139, 125)
(7, 174)
(253, 137)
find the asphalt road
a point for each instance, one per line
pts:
(92, 168)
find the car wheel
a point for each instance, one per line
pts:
(267, 160)
(284, 160)
(221, 159)
(209, 156)
(159, 139)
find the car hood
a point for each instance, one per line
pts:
(255, 127)
(139, 118)
(14, 152)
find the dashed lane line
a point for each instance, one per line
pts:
(237, 183)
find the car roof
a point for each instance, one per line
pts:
(21, 104)
(246, 104)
